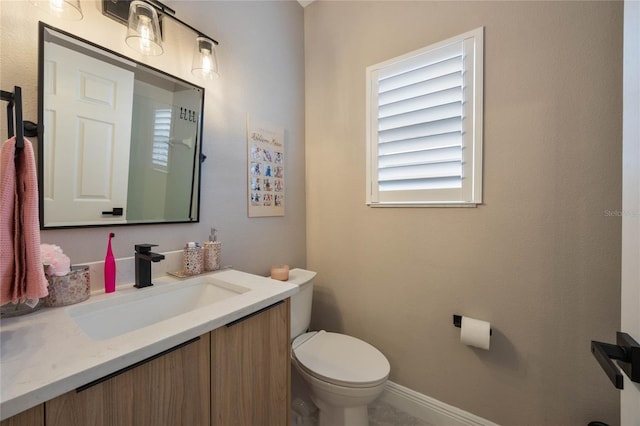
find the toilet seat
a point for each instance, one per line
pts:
(340, 359)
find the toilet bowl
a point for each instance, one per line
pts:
(343, 373)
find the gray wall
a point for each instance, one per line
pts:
(540, 259)
(261, 58)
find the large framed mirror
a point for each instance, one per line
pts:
(119, 143)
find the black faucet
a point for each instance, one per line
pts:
(144, 257)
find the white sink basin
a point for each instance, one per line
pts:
(138, 308)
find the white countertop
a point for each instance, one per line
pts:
(45, 354)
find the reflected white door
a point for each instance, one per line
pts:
(87, 173)
(630, 321)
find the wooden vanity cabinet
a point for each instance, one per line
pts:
(250, 364)
(236, 375)
(169, 389)
(31, 417)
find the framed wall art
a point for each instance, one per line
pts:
(265, 168)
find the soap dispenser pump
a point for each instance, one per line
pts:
(109, 268)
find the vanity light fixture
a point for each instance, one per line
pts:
(65, 9)
(205, 62)
(143, 33)
(144, 19)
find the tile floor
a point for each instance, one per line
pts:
(383, 414)
(380, 414)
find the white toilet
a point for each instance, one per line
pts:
(343, 373)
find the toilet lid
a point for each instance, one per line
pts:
(340, 359)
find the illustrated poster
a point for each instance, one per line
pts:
(265, 160)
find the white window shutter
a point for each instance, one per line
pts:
(423, 144)
(161, 138)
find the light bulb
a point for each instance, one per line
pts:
(145, 31)
(206, 60)
(57, 6)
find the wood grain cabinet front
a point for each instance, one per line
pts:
(166, 390)
(31, 417)
(250, 361)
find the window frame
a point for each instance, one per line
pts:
(470, 195)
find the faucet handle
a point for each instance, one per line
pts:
(144, 248)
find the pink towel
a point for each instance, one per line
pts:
(21, 274)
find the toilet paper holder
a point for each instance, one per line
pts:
(457, 321)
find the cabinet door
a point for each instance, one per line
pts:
(170, 389)
(250, 383)
(31, 417)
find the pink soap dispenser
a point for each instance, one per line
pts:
(110, 268)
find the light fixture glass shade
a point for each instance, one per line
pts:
(143, 34)
(65, 9)
(205, 62)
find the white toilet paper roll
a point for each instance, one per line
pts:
(475, 333)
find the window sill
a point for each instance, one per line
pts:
(434, 204)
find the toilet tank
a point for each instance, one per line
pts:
(301, 301)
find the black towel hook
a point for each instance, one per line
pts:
(22, 128)
(15, 99)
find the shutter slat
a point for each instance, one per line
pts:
(421, 102)
(416, 61)
(428, 115)
(422, 143)
(422, 88)
(421, 184)
(421, 74)
(448, 154)
(421, 130)
(437, 170)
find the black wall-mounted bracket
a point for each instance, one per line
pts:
(627, 354)
(457, 322)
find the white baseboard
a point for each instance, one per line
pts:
(429, 409)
